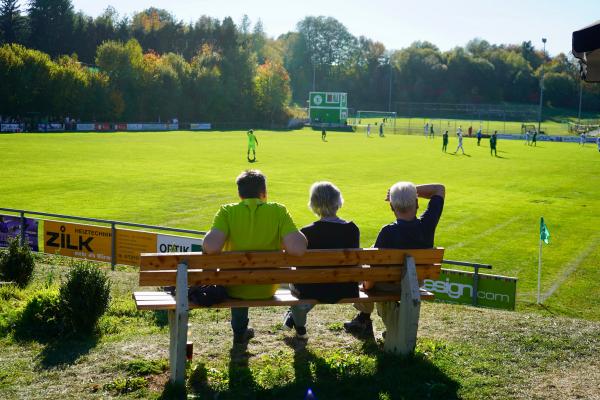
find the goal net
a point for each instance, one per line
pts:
(364, 118)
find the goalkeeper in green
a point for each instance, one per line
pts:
(252, 143)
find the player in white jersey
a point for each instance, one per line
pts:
(582, 139)
(527, 137)
(460, 141)
(426, 129)
(368, 130)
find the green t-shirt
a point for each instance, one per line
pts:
(251, 139)
(253, 225)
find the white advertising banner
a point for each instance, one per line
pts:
(200, 126)
(10, 128)
(134, 127)
(86, 127)
(177, 244)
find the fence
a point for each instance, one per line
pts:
(133, 240)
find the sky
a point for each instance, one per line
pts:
(395, 23)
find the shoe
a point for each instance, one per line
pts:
(241, 338)
(288, 321)
(301, 333)
(360, 325)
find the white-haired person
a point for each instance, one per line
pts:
(407, 232)
(328, 232)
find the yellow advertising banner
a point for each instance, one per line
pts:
(131, 243)
(94, 242)
(75, 240)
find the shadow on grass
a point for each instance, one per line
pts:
(65, 352)
(338, 375)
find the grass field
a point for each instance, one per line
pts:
(179, 179)
(415, 125)
(491, 214)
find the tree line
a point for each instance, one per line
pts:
(59, 62)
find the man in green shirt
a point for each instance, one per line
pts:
(252, 143)
(252, 224)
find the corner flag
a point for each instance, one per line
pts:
(544, 232)
(544, 237)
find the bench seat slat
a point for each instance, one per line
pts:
(286, 275)
(271, 259)
(283, 297)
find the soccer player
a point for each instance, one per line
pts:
(534, 139)
(493, 142)
(368, 130)
(598, 142)
(582, 139)
(445, 141)
(431, 132)
(252, 143)
(479, 136)
(460, 141)
(323, 134)
(381, 130)
(527, 137)
(426, 129)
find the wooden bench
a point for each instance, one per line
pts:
(275, 267)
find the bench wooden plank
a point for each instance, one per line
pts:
(283, 297)
(287, 275)
(275, 259)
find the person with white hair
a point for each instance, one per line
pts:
(407, 232)
(329, 232)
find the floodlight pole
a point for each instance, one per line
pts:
(580, 90)
(314, 75)
(542, 86)
(390, 90)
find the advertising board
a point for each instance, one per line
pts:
(493, 291)
(94, 242)
(86, 127)
(200, 126)
(11, 128)
(10, 227)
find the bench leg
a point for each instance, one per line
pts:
(178, 321)
(402, 320)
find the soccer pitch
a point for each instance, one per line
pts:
(491, 214)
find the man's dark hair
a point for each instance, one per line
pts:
(251, 184)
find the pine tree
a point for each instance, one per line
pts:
(11, 21)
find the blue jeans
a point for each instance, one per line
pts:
(299, 313)
(239, 319)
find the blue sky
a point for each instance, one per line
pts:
(396, 23)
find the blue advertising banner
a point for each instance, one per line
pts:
(10, 227)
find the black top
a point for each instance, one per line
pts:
(329, 235)
(415, 234)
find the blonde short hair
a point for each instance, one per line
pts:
(325, 199)
(403, 196)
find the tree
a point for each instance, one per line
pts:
(272, 90)
(51, 24)
(12, 24)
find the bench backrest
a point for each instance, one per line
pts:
(276, 267)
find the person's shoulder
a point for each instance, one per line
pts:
(229, 206)
(276, 207)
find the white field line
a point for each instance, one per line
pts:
(484, 233)
(571, 267)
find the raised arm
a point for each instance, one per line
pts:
(429, 190)
(214, 241)
(295, 243)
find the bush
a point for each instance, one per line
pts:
(41, 317)
(84, 298)
(17, 263)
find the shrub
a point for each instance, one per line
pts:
(41, 318)
(17, 263)
(84, 297)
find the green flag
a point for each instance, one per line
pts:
(544, 232)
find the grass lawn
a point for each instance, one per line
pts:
(462, 352)
(491, 214)
(416, 125)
